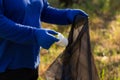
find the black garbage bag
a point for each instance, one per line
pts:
(76, 62)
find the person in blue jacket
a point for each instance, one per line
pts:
(21, 35)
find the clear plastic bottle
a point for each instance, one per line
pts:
(62, 40)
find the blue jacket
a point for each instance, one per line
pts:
(18, 20)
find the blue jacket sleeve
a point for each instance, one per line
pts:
(54, 15)
(14, 32)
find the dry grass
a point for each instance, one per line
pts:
(105, 38)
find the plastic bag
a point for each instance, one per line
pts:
(76, 62)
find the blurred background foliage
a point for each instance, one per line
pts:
(104, 21)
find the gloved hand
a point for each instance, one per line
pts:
(74, 12)
(45, 37)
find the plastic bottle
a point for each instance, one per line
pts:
(62, 40)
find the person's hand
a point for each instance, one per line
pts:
(45, 37)
(74, 12)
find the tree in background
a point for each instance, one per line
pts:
(65, 2)
(69, 2)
